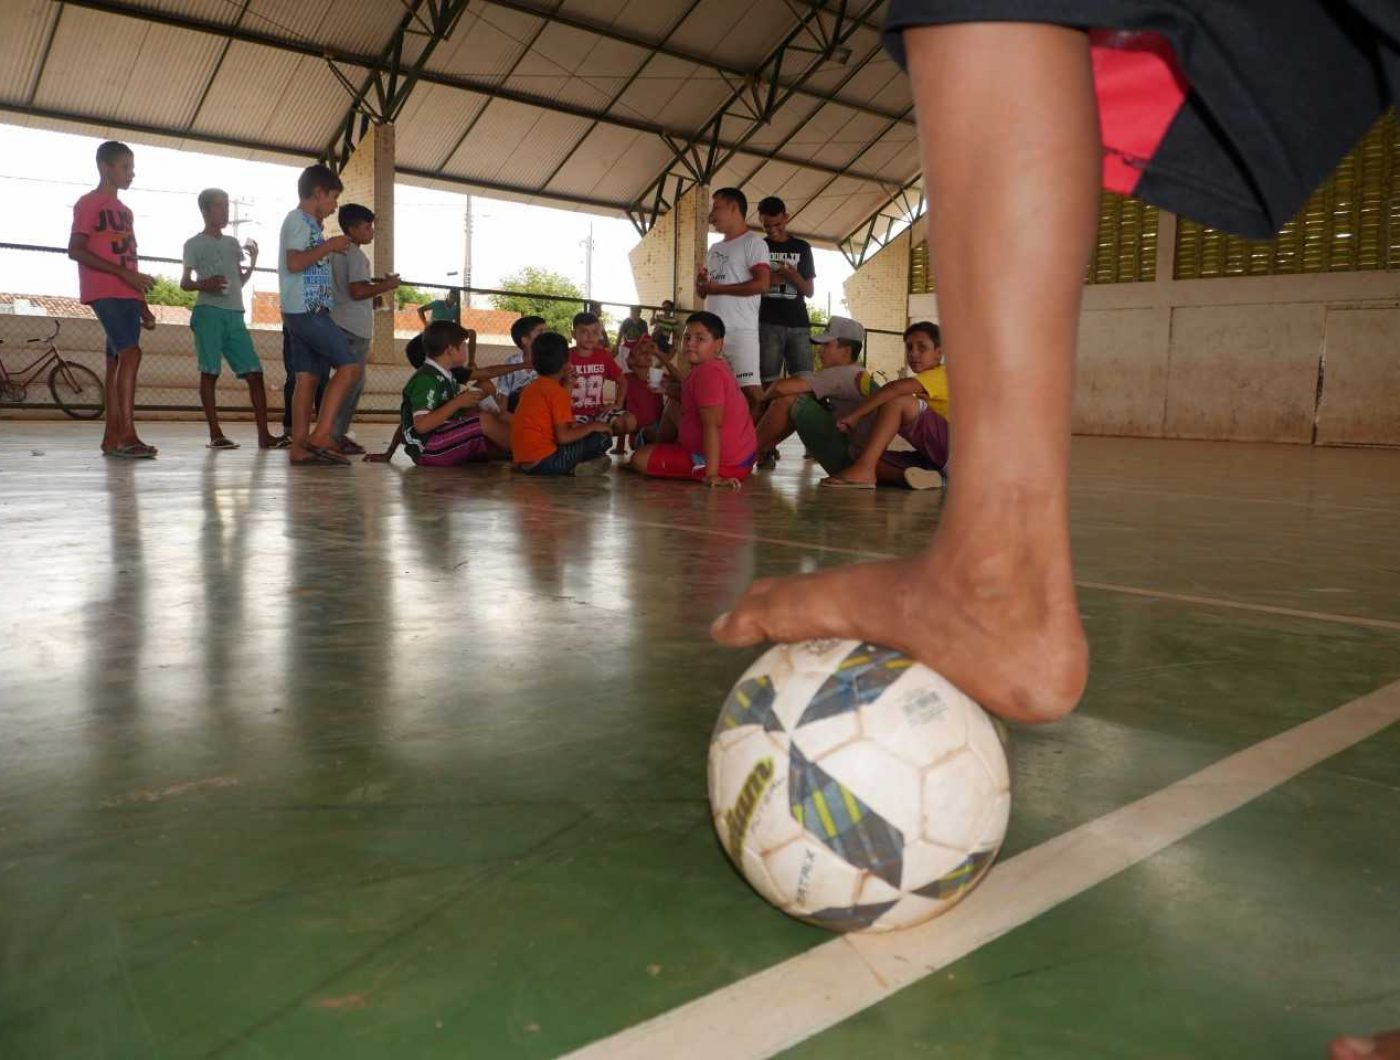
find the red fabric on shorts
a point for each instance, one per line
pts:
(1140, 88)
(672, 460)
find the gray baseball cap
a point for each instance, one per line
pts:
(841, 328)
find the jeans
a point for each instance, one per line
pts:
(779, 346)
(360, 348)
(290, 386)
(567, 457)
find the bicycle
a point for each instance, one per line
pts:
(76, 389)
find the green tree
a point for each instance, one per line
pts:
(818, 317)
(407, 295)
(558, 315)
(167, 292)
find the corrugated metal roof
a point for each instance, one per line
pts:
(28, 24)
(550, 98)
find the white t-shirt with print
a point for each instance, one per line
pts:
(732, 261)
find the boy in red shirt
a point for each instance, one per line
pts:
(643, 399)
(103, 243)
(717, 442)
(591, 365)
(545, 439)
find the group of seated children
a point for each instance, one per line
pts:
(547, 408)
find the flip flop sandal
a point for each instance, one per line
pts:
(318, 459)
(834, 483)
(280, 442)
(222, 443)
(348, 448)
(330, 456)
(132, 452)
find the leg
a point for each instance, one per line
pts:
(754, 396)
(496, 427)
(569, 458)
(771, 339)
(128, 365)
(289, 385)
(342, 381)
(207, 383)
(993, 599)
(257, 397)
(360, 347)
(111, 414)
(817, 429)
(1381, 1047)
(303, 398)
(797, 350)
(891, 416)
(776, 423)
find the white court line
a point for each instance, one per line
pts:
(790, 1002)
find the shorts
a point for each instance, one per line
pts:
(741, 351)
(782, 346)
(218, 334)
(816, 426)
(317, 343)
(672, 460)
(457, 442)
(1227, 113)
(568, 456)
(121, 322)
(928, 434)
(601, 417)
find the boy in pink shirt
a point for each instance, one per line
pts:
(717, 443)
(590, 366)
(103, 243)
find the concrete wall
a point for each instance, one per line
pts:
(1293, 359)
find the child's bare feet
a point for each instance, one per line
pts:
(1382, 1047)
(991, 606)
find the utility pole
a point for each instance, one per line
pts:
(588, 264)
(467, 257)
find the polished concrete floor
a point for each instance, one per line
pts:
(395, 762)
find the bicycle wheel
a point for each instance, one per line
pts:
(77, 390)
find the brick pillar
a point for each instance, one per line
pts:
(877, 295)
(667, 259)
(369, 180)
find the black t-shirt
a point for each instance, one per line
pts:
(783, 304)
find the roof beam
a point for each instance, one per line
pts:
(480, 87)
(756, 110)
(858, 253)
(394, 75)
(291, 151)
(664, 47)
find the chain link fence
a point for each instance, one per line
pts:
(40, 332)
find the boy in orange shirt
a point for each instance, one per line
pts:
(544, 438)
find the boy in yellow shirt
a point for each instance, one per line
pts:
(916, 409)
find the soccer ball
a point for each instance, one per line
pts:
(855, 788)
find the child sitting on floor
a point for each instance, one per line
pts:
(592, 366)
(644, 398)
(717, 442)
(812, 403)
(916, 409)
(439, 427)
(545, 439)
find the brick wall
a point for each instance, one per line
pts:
(877, 295)
(679, 238)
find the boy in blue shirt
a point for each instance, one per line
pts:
(318, 346)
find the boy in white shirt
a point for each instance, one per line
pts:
(732, 283)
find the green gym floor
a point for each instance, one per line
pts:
(398, 763)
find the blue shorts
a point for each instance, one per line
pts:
(317, 343)
(121, 321)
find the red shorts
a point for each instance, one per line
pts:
(673, 460)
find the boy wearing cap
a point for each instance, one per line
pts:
(811, 404)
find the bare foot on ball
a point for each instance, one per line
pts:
(991, 606)
(1381, 1047)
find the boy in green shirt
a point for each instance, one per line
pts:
(214, 267)
(439, 418)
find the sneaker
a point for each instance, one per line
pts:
(599, 465)
(923, 478)
(768, 461)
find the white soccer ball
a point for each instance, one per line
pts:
(855, 788)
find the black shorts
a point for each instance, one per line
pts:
(1229, 112)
